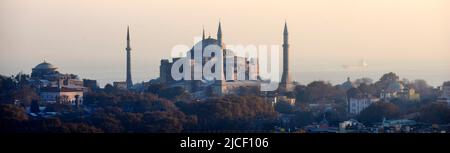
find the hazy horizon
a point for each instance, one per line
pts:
(87, 37)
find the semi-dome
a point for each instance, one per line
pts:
(45, 66)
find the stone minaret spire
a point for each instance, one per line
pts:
(203, 35)
(219, 35)
(129, 81)
(220, 84)
(286, 83)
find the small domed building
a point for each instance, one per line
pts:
(43, 70)
(54, 87)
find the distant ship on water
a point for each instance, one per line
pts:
(361, 65)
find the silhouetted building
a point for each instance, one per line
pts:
(347, 84)
(221, 86)
(91, 84)
(45, 74)
(54, 87)
(358, 104)
(445, 96)
(120, 85)
(61, 95)
(44, 70)
(225, 85)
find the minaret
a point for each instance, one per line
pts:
(129, 82)
(219, 35)
(286, 83)
(203, 35)
(220, 85)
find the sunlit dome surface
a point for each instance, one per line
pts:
(45, 66)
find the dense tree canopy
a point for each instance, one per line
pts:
(435, 114)
(16, 88)
(284, 107)
(303, 118)
(160, 108)
(12, 112)
(319, 91)
(173, 93)
(232, 113)
(376, 112)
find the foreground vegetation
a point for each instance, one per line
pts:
(159, 108)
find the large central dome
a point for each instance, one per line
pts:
(45, 66)
(206, 42)
(44, 69)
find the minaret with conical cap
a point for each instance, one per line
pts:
(286, 83)
(203, 34)
(220, 84)
(128, 81)
(219, 35)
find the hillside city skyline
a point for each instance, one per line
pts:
(205, 68)
(413, 40)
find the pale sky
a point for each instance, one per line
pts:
(87, 37)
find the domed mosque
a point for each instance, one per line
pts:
(221, 86)
(54, 87)
(44, 69)
(232, 78)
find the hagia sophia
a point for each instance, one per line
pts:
(224, 86)
(54, 86)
